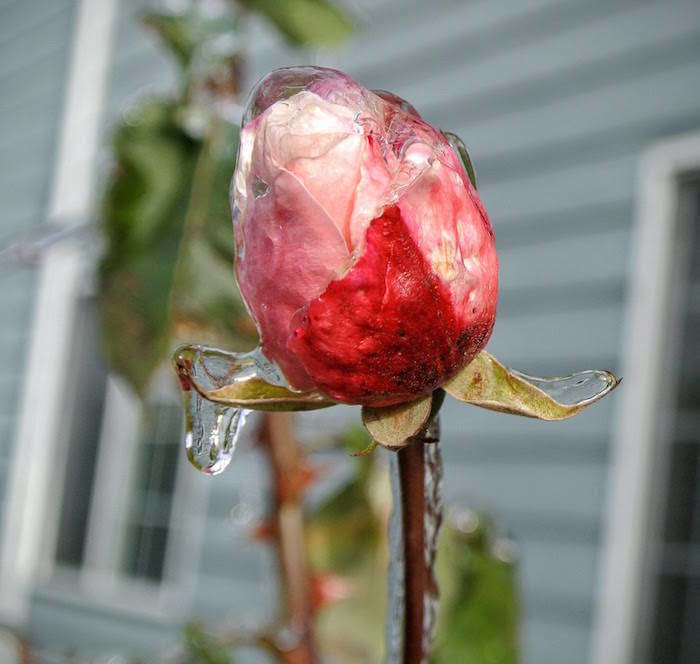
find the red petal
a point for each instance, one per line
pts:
(387, 331)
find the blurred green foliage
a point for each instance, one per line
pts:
(168, 231)
(166, 276)
(479, 600)
(305, 22)
(202, 648)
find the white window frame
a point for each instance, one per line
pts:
(33, 499)
(636, 484)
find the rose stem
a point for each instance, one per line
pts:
(288, 477)
(411, 481)
(419, 580)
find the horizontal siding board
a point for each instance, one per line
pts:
(608, 182)
(397, 32)
(24, 65)
(548, 447)
(533, 229)
(19, 15)
(596, 256)
(572, 491)
(623, 117)
(26, 122)
(41, 28)
(468, 28)
(614, 44)
(585, 333)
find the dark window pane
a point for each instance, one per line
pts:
(151, 507)
(82, 429)
(676, 612)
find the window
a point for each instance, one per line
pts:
(675, 609)
(127, 492)
(649, 594)
(152, 495)
(86, 395)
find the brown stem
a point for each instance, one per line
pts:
(420, 490)
(411, 479)
(289, 478)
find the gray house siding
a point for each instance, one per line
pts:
(556, 101)
(35, 39)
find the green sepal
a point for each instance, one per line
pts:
(486, 383)
(394, 426)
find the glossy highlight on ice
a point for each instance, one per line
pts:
(363, 251)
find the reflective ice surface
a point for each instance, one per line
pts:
(212, 429)
(211, 432)
(432, 478)
(577, 389)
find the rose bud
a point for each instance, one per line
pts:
(363, 251)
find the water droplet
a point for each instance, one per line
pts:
(579, 388)
(211, 432)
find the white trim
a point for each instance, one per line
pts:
(33, 460)
(116, 457)
(629, 514)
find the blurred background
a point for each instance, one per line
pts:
(582, 119)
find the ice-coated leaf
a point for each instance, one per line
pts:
(485, 382)
(393, 426)
(240, 380)
(305, 22)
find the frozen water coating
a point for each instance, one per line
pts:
(432, 523)
(212, 429)
(578, 389)
(211, 432)
(355, 219)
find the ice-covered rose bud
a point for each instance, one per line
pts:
(363, 252)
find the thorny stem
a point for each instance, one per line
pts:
(289, 477)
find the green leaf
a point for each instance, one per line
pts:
(167, 275)
(184, 33)
(305, 22)
(235, 379)
(488, 384)
(394, 426)
(203, 648)
(479, 611)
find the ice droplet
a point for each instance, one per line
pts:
(211, 432)
(212, 429)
